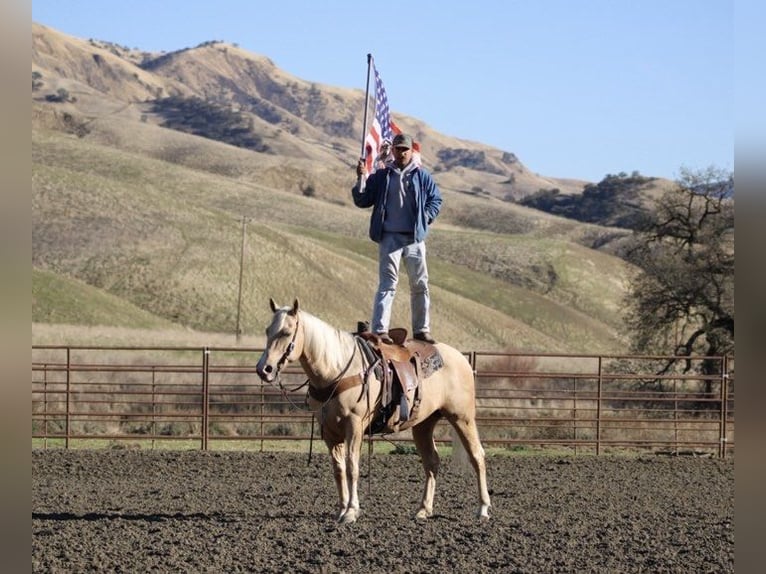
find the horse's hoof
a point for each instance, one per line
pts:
(423, 514)
(349, 517)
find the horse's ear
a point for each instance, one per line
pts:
(295, 306)
(272, 305)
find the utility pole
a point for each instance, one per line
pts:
(241, 269)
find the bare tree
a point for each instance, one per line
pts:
(682, 300)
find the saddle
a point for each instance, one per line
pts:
(405, 364)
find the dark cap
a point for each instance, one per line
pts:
(403, 140)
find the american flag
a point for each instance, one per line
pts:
(383, 128)
(381, 124)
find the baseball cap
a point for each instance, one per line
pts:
(403, 140)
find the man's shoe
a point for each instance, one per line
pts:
(362, 327)
(425, 336)
(385, 338)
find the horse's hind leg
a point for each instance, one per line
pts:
(469, 437)
(423, 435)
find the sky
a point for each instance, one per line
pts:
(575, 88)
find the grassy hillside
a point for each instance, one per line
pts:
(294, 118)
(166, 238)
(60, 300)
(138, 227)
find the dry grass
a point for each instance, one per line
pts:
(87, 335)
(167, 239)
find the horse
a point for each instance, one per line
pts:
(331, 358)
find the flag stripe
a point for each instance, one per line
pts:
(382, 127)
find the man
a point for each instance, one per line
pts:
(405, 201)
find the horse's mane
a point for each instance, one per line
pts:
(329, 347)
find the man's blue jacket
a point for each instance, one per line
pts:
(428, 200)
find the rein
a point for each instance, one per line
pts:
(337, 385)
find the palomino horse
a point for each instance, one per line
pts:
(331, 358)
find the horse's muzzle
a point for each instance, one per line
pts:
(266, 372)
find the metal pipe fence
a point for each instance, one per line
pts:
(586, 403)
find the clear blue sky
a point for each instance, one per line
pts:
(573, 88)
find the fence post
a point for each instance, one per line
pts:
(67, 420)
(45, 406)
(574, 412)
(205, 395)
(675, 416)
(598, 406)
(154, 404)
(724, 407)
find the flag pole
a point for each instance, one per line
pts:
(364, 121)
(366, 104)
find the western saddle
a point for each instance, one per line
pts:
(403, 366)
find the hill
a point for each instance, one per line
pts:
(149, 214)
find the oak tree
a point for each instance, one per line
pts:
(682, 300)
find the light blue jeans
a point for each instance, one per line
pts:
(391, 249)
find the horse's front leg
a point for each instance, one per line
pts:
(354, 435)
(423, 435)
(338, 457)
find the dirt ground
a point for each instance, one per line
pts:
(150, 511)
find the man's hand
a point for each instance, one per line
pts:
(360, 168)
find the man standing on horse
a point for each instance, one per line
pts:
(405, 201)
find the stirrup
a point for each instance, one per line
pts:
(404, 411)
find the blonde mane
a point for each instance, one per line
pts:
(329, 347)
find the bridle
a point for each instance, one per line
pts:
(290, 347)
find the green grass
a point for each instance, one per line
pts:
(58, 299)
(224, 445)
(380, 447)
